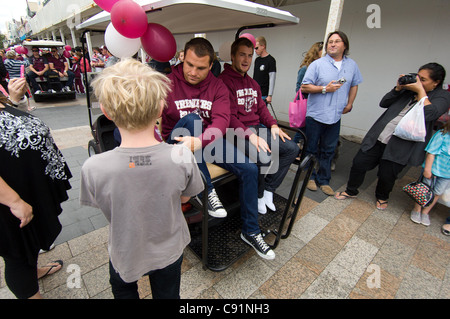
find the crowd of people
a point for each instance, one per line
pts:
(49, 63)
(220, 118)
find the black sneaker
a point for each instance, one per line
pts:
(259, 245)
(215, 207)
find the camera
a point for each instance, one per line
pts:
(341, 81)
(407, 79)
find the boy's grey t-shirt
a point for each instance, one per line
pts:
(138, 190)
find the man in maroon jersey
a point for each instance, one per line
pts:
(38, 68)
(58, 65)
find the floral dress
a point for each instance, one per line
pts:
(33, 166)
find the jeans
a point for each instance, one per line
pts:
(363, 162)
(165, 283)
(298, 136)
(31, 76)
(322, 140)
(70, 77)
(440, 184)
(273, 166)
(223, 153)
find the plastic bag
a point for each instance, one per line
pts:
(412, 126)
(297, 111)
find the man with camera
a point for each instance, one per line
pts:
(332, 83)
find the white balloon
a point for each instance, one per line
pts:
(225, 51)
(119, 45)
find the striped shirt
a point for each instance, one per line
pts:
(13, 67)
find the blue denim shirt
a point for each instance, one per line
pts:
(327, 108)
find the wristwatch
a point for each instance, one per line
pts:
(324, 89)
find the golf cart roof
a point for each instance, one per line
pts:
(194, 16)
(43, 44)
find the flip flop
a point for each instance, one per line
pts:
(380, 204)
(341, 194)
(58, 262)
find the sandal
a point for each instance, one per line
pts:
(445, 230)
(381, 203)
(59, 264)
(343, 196)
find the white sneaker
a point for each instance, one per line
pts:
(51, 91)
(38, 92)
(425, 220)
(41, 251)
(262, 206)
(66, 89)
(416, 217)
(268, 199)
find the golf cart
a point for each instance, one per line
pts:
(215, 241)
(51, 86)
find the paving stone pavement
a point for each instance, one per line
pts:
(337, 249)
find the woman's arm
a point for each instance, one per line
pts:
(18, 207)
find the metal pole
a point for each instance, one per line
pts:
(334, 19)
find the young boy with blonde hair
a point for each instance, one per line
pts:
(140, 185)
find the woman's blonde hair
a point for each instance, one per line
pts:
(131, 92)
(313, 54)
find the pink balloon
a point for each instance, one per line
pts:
(67, 48)
(250, 37)
(159, 43)
(106, 4)
(24, 50)
(129, 19)
(18, 49)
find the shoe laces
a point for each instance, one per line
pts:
(261, 243)
(214, 200)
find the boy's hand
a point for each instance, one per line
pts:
(259, 143)
(275, 130)
(193, 143)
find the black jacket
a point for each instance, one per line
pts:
(398, 150)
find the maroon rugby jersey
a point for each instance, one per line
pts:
(209, 99)
(38, 63)
(58, 63)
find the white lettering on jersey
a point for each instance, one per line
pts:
(247, 98)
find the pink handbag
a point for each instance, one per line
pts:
(297, 110)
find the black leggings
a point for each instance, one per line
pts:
(21, 277)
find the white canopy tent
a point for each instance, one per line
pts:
(194, 16)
